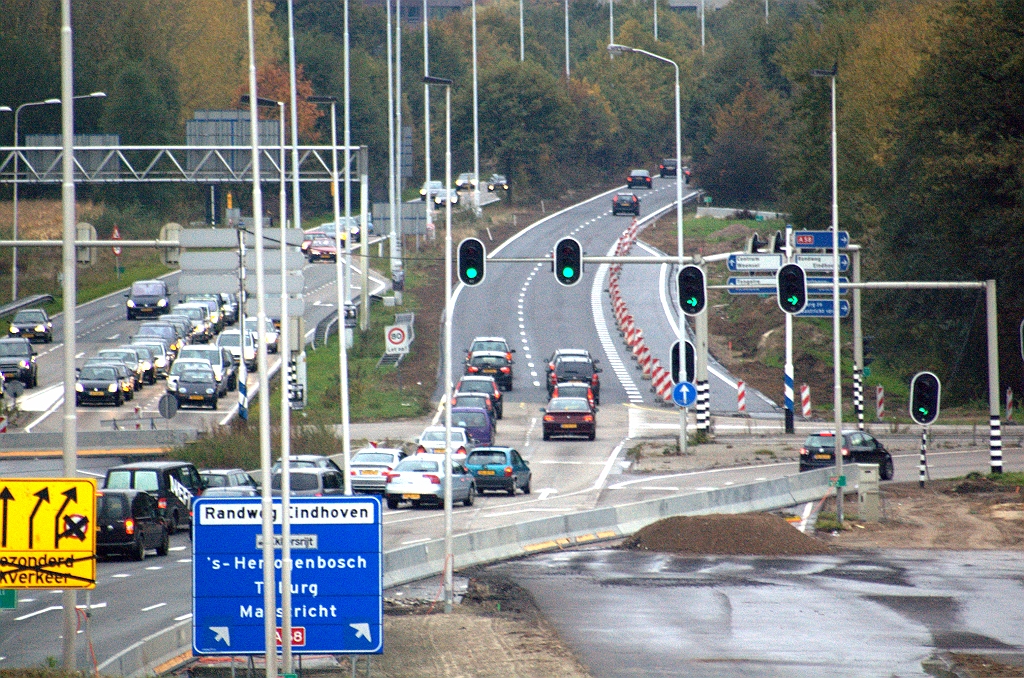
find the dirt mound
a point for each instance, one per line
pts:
(980, 486)
(753, 534)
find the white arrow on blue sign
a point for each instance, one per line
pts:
(822, 308)
(822, 262)
(819, 239)
(337, 575)
(684, 394)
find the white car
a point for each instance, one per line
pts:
(420, 480)
(432, 442)
(232, 340)
(273, 336)
(370, 465)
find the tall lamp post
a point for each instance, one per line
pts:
(623, 49)
(448, 557)
(566, 39)
(522, 39)
(837, 394)
(17, 112)
(476, 127)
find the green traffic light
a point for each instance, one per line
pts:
(568, 273)
(692, 302)
(471, 272)
(923, 411)
(793, 300)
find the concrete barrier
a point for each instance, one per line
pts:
(102, 440)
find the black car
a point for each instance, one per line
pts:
(575, 368)
(18, 361)
(668, 167)
(161, 330)
(125, 376)
(32, 324)
(174, 484)
(641, 178)
(197, 386)
(98, 384)
(486, 385)
(625, 203)
(495, 364)
(818, 451)
(128, 523)
(147, 298)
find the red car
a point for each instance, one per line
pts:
(571, 417)
(322, 249)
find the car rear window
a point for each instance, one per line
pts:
(471, 419)
(573, 391)
(479, 360)
(488, 346)
(97, 374)
(820, 441)
(574, 370)
(568, 405)
(484, 458)
(372, 458)
(476, 386)
(298, 481)
(215, 480)
(471, 401)
(417, 466)
(111, 507)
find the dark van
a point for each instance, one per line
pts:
(173, 483)
(128, 524)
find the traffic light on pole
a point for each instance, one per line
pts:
(691, 361)
(792, 286)
(472, 258)
(568, 261)
(692, 290)
(925, 392)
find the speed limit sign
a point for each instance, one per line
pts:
(396, 339)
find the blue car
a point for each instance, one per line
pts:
(478, 424)
(499, 468)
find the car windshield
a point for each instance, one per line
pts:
(298, 481)
(214, 479)
(470, 419)
(111, 507)
(192, 313)
(211, 354)
(438, 436)
(417, 466)
(488, 346)
(252, 324)
(148, 288)
(638, 173)
(143, 352)
(197, 376)
(372, 458)
(162, 331)
(568, 405)
(28, 317)
(487, 457)
(96, 373)
(14, 348)
(575, 368)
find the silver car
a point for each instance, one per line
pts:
(420, 480)
(368, 468)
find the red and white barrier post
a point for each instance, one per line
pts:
(879, 402)
(741, 397)
(805, 400)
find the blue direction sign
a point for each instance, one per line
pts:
(337, 575)
(821, 262)
(826, 281)
(819, 239)
(684, 394)
(754, 262)
(751, 285)
(822, 308)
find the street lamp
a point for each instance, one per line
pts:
(17, 112)
(522, 42)
(448, 564)
(566, 39)
(837, 395)
(476, 127)
(623, 49)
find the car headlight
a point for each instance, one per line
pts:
(26, 364)
(209, 391)
(40, 328)
(112, 388)
(161, 303)
(181, 390)
(78, 387)
(14, 330)
(130, 303)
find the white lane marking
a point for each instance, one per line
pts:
(571, 462)
(547, 492)
(152, 607)
(39, 612)
(805, 516)
(185, 560)
(183, 617)
(155, 567)
(659, 488)
(79, 355)
(114, 337)
(93, 606)
(120, 575)
(416, 541)
(177, 548)
(42, 400)
(607, 467)
(529, 364)
(632, 392)
(536, 383)
(44, 415)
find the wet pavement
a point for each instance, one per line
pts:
(866, 613)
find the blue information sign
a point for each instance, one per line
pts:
(818, 291)
(684, 394)
(822, 308)
(819, 239)
(337, 575)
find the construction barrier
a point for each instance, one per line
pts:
(741, 397)
(880, 402)
(805, 400)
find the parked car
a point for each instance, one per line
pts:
(18, 361)
(483, 384)
(858, 448)
(497, 182)
(575, 367)
(477, 422)
(668, 167)
(174, 484)
(420, 480)
(146, 298)
(499, 468)
(128, 523)
(369, 466)
(32, 324)
(310, 482)
(639, 177)
(225, 477)
(496, 364)
(98, 384)
(569, 417)
(625, 203)
(432, 441)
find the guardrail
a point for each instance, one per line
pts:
(27, 302)
(168, 648)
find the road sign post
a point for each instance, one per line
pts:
(337, 575)
(396, 339)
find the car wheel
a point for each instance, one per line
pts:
(885, 469)
(165, 545)
(526, 487)
(118, 399)
(593, 434)
(139, 551)
(547, 436)
(470, 497)
(35, 379)
(498, 413)
(392, 502)
(213, 404)
(172, 524)
(512, 488)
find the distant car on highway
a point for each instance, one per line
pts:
(481, 400)
(273, 334)
(449, 194)
(160, 351)
(569, 417)
(483, 384)
(574, 389)
(130, 357)
(161, 330)
(420, 479)
(369, 466)
(174, 484)
(148, 354)
(310, 482)
(574, 365)
(146, 298)
(197, 385)
(322, 248)
(497, 182)
(32, 324)
(200, 325)
(818, 451)
(639, 177)
(212, 302)
(220, 360)
(178, 368)
(496, 364)
(489, 344)
(307, 461)
(233, 341)
(668, 167)
(18, 361)
(225, 477)
(98, 384)
(625, 203)
(465, 182)
(435, 188)
(477, 422)
(499, 468)
(125, 377)
(128, 523)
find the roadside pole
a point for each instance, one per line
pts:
(858, 341)
(364, 238)
(787, 384)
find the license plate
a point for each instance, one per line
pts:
(96, 393)
(368, 472)
(485, 472)
(823, 456)
(568, 425)
(146, 310)
(28, 335)
(410, 496)
(196, 397)
(490, 371)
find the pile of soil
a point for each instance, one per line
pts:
(753, 534)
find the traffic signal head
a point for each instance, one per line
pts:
(925, 392)
(779, 243)
(691, 361)
(692, 290)
(472, 258)
(792, 288)
(568, 261)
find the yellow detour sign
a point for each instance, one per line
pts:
(47, 533)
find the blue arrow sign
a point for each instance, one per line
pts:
(819, 239)
(822, 308)
(337, 575)
(684, 394)
(751, 285)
